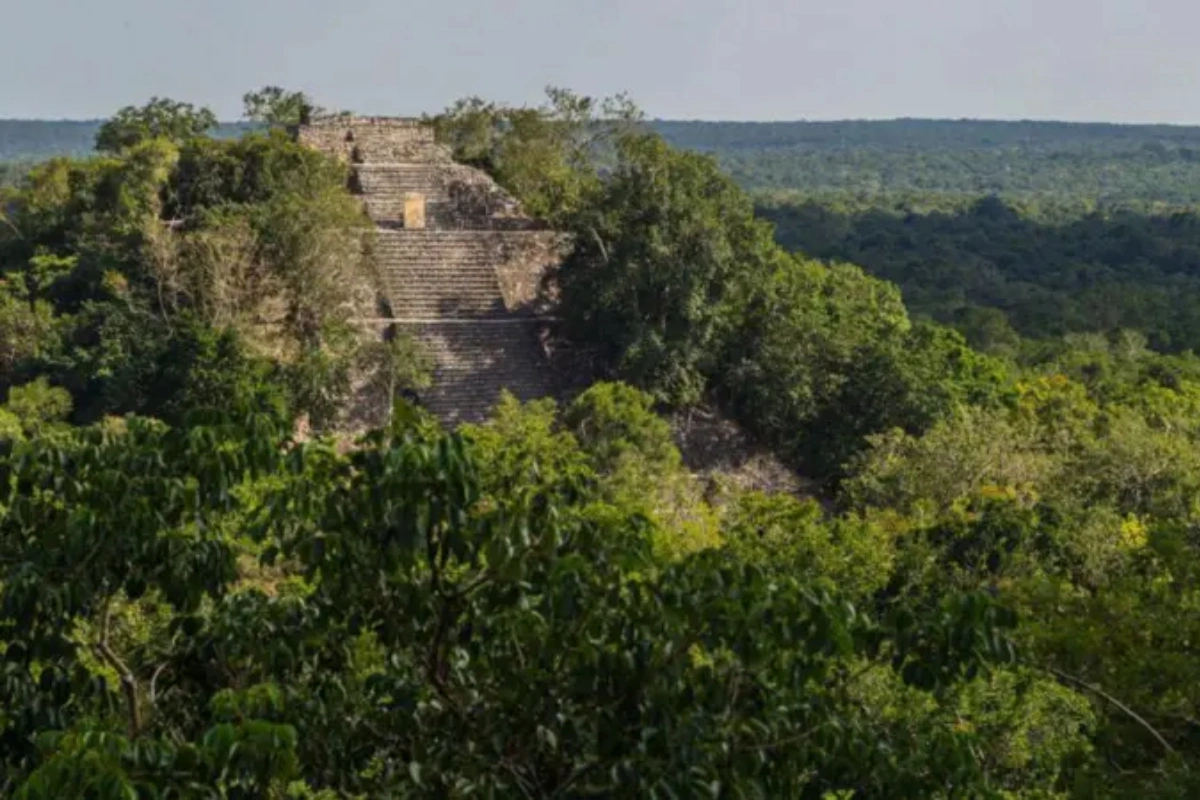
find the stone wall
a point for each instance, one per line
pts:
(714, 446)
(373, 139)
(528, 257)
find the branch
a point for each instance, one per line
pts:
(1129, 711)
(82, 564)
(520, 781)
(435, 663)
(154, 680)
(574, 778)
(128, 682)
(600, 244)
(11, 226)
(479, 582)
(800, 737)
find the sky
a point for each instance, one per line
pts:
(1102, 60)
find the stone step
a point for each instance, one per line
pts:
(435, 274)
(488, 238)
(373, 139)
(476, 361)
(412, 297)
(436, 182)
(440, 216)
(367, 148)
(465, 273)
(495, 248)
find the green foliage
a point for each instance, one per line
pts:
(160, 118)
(11, 173)
(26, 329)
(1043, 161)
(994, 593)
(10, 426)
(524, 445)
(680, 290)
(250, 170)
(208, 374)
(131, 519)
(851, 555)
(639, 468)
(38, 405)
(992, 269)
(547, 156)
(664, 253)
(908, 382)
(125, 272)
(276, 106)
(614, 422)
(319, 380)
(1069, 503)
(396, 366)
(521, 647)
(956, 458)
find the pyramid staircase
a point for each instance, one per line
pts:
(463, 275)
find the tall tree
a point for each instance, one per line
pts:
(274, 105)
(548, 156)
(666, 249)
(159, 118)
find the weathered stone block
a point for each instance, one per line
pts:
(414, 211)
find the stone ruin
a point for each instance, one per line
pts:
(462, 268)
(461, 265)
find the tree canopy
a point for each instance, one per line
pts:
(213, 583)
(276, 106)
(999, 270)
(160, 118)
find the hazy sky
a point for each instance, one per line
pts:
(1120, 60)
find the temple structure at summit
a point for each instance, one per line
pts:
(461, 264)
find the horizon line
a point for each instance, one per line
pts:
(729, 121)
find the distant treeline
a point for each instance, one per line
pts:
(968, 157)
(1148, 172)
(36, 140)
(996, 270)
(921, 134)
(964, 157)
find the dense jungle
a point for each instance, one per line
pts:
(972, 343)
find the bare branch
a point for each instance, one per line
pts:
(128, 682)
(1129, 711)
(154, 681)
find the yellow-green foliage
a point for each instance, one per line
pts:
(853, 554)
(955, 459)
(10, 426)
(524, 445)
(639, 467)
(37, 407)
(609, 443)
